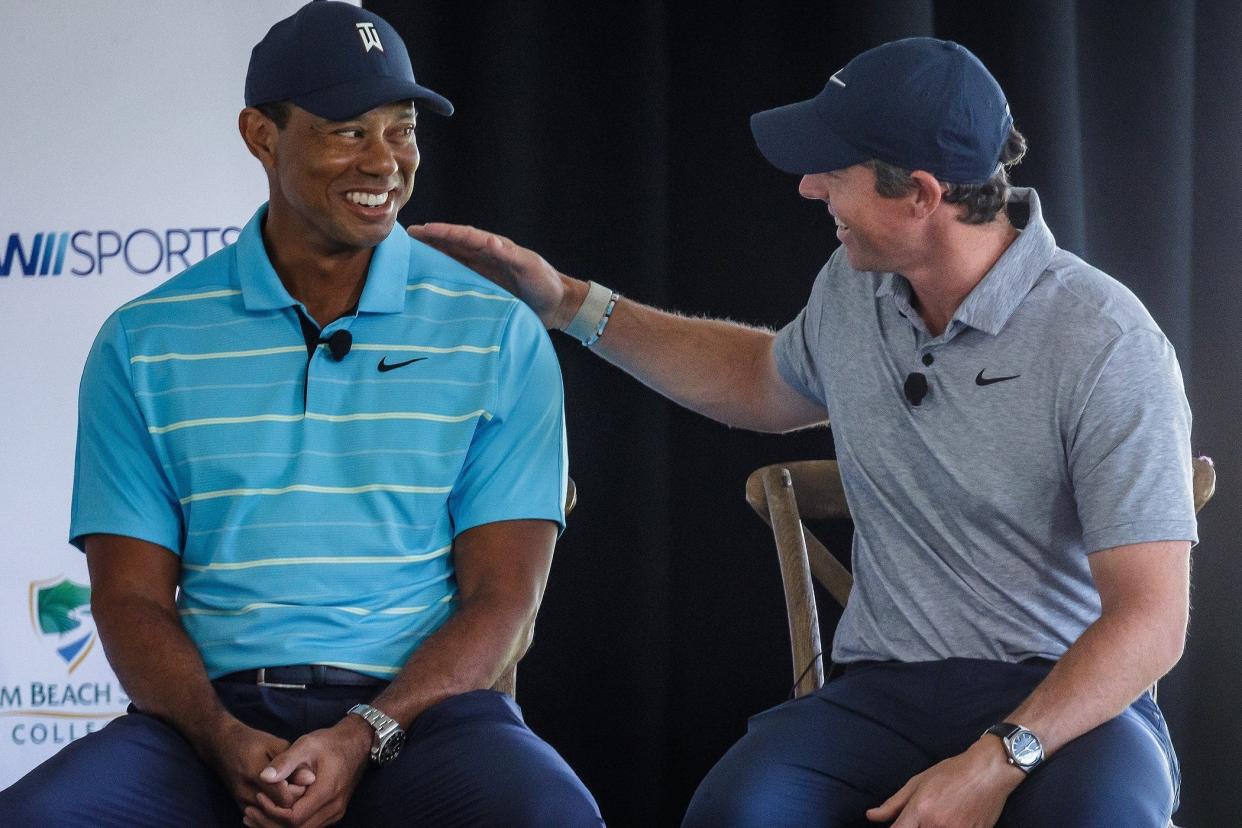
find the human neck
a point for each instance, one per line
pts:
(959, 257)
(327, 283)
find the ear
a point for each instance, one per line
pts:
(927, 195)
(259, 133)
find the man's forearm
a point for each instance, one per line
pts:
(706, 365)
(133, 588)
(159, 666)
(133, 599)
(1107, 668)
(469, 652)
(715, 367)
(1144, 594)
(502, 570)
(1110, 664)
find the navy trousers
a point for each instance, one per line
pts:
(824, 759)
(469, 760)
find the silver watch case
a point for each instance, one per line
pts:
(1025, 750)
(389, 737)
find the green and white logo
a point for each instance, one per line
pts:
(60, 611)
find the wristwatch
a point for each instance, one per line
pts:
(389, 737)
(1026, 752)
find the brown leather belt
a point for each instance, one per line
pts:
(301, 676)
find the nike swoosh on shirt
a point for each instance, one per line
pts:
(982, 380)
(392, 366)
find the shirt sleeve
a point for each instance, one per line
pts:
(1129, 452)
(516, 466)
(798, 343)
(119, 484)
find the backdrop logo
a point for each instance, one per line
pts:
(38, 711)
(89, 252)
(60, 611)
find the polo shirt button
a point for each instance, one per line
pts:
(928, 359)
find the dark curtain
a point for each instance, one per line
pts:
(613, 139)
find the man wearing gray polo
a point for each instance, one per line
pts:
(1013, 437)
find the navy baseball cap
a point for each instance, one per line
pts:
(337, 61)
(918, 103)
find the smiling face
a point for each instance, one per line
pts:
(873, 229)
(336, 186)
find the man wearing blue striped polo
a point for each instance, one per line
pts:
(319, 480)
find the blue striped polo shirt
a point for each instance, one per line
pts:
(313, 503)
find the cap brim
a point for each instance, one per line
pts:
(347, 100)
(798, 138)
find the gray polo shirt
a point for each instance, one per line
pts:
(1054, 425)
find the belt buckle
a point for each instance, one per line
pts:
(261, 681)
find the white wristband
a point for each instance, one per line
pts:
(592, 317)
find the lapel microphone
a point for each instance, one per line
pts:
(341, 341)
(915, 387)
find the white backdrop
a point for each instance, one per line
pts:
(121, 163)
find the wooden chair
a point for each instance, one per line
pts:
(507, 683)
(781, 495)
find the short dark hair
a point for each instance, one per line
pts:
(277, 112)
(982, 201)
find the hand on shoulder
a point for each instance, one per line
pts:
(552, 295)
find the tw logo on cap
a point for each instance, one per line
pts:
(370, 37)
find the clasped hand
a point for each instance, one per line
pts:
(309, 783)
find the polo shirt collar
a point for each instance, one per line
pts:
(388, 274)
(991, 303)
(260, 286)
(989, 306)
(384, 291)
(896, 286)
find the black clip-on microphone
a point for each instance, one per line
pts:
(915, 388)
(339, 343)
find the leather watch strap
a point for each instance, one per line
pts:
(1003, 729)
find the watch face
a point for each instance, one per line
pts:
(390, 748)
(1025, 748)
